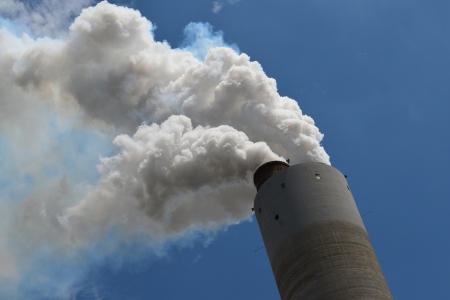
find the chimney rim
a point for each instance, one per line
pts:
(258, 172)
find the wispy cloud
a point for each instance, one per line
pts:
(200, 38)
(197, 258)
(44, 17)
(218, 5)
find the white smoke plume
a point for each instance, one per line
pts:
(206, 118)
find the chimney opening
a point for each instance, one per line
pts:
(266, 171)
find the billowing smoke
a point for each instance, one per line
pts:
(188, 128)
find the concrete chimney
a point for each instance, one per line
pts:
(314, 236)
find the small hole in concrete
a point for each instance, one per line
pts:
(283, 185)
(317, 176)
(277, 217)
(259, 210)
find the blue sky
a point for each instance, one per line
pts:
(374, 76)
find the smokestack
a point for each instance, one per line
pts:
(314, 236)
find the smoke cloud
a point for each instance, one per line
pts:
(188, 127)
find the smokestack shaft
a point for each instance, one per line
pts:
(315, 238)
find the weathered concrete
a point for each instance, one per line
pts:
(315, 238)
